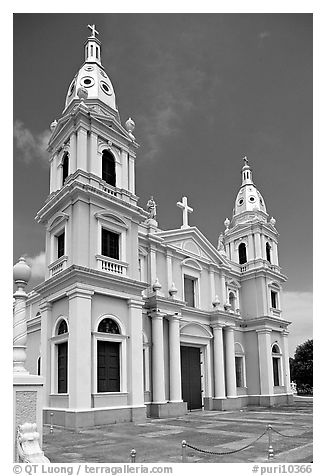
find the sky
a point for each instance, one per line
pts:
(204, 90)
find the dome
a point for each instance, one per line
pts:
(92, 76)
(248, 199)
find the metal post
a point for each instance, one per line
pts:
(51, 423)
(184, 454)
(133, 455)
(270, 443)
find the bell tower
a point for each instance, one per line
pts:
(251, 242)
(92, 177)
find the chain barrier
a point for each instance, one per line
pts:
(270, 452)
(225, 452)
(288, 436)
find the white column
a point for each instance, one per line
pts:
(231, 390)
(82, 149)
(46, 325)
(53, 185)
(286, 363)
(79, 348)
(224, 300)
(135, 353)
(251, 247)
(175, 359)
(125, 173)
(158, 359)
(73, 153)
(152, 265)
(274, 257)
(95, 163)
(212, 284)
(169, 275)
(219, 380)
(131, 174)
(257, 246)
(265, 361)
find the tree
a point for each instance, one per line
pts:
(301, 367)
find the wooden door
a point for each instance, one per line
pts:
(191, 377)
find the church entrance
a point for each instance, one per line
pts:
(191, 377)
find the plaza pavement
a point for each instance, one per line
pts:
(159, 440)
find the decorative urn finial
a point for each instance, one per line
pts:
(53, 125)
(156, 286)
(130, 126)
(226, 224)
(82, 93)
(173, 290)
(22, 272)
(272, 221)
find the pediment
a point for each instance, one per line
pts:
(193, 244)
(197, 330)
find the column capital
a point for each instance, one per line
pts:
(174, 317)
(80, 292)
(135, 303)
(229, 328)
(264, 331)
(217, 325)
(45, 306)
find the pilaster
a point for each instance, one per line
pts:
(265, 361)
(135, 353)
(79, 348)
(82, 149)
(219, 378)
(46, 325)
(231, 390)
(286, 363)
(158, 358)
(175, 358)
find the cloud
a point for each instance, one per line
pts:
(37, 264)
(172, 96)
(32, 147)
(297, 308)
(264, 34)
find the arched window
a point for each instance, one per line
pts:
(108, 326)
(268, 252)
(65, 167)
(276, 359)
(240, 367)
(62, 327)
(242, 253)
(232, 300)
(108, 168)
(108, 358)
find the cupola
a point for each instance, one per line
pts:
(92, 76)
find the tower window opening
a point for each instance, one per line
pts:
(91, 50)
(274, 299)
(61, 245)
(242, 253)
(65, 167)
(232, 300)
(108, 168)
(189, 290)
(110, 244)
(96, 52)
(268, 252)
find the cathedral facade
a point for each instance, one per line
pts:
(134, 321)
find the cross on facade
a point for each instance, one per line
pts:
(94, 31)
(185, 210)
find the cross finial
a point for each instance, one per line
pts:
(94, 31)
(245, 159)
(185, 210)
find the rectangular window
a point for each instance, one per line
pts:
(276, 371)
(110, 244)
(61, 244)
(239, 371)
(108, 366)
(189, 287)
(274, 299)
(62, 367)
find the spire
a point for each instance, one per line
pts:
(246, 172)
(93, 47)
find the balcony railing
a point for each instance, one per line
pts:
(111, 265)
(58, 265)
